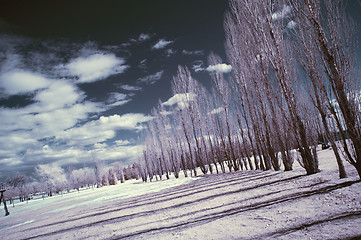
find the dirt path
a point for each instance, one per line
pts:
(242, 205)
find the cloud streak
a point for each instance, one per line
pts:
(151, 79)
(161, 44)
(117, 99)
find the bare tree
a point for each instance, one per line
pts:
(310, 61)
(185, 86)
(262, 27)
(223, 90)
(155, 127)
(332, 34)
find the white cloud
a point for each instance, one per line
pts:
(11, 161)
(96, 67)
(19, 81)
(14, 143)
(220, 68)
(161, 44)
(59, 94)
(23, 128)
(129, 121)
(291, 24)
(104, 128)
(217, 110)
(286, 10)
(127, 153)
(58, 156)
(122, 142)
(55, 122)
(181, 99)
(151, 79)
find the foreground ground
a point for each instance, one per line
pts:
(241, 205)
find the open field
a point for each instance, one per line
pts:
(237, 205)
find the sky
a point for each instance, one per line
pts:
(78, 79)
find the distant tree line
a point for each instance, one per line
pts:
(52, 179)
(293, 85)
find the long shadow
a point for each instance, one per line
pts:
(345, 215)
(207, 186)
(169, 196)
(206, 218)
(215, 216)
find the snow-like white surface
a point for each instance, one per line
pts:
(243, 204)
(88, 197)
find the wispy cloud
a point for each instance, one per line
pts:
(197, 66)
(141, 38)
(95, 67)
(170, 52)
(151, 79)
(117, 99)
(219, 68)
(161, 44)
(130, 88)
(143, 64)
(195, 52)
(144, 36)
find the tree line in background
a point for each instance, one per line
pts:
(53, 179)
(293, 85)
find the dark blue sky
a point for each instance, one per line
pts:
(82, 76)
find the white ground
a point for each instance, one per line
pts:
(240, 205)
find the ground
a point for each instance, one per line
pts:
(237, 205)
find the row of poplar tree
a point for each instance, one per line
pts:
(293, 83)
